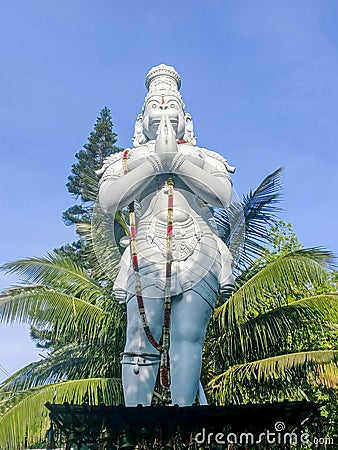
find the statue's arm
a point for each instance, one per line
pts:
(211, 182)
(119, 189)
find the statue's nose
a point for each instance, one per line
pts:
(164, 106)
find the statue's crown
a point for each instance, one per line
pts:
(163, 78)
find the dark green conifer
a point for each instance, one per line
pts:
(83, 184)
(83, 181)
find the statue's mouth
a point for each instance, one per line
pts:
(156, 122)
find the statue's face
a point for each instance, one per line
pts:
(157, 107)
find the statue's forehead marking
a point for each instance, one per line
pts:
(162, 98)
(163, 81)
(162, 95)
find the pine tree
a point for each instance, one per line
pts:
(83, 181)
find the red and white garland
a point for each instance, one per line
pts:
(164, 344)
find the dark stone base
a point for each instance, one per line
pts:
(250, 426)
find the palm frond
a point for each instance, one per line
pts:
(73, 361)
(266, 332)
(28, 418)
(305, 267)
(59, 312)
(326, 376)
(8, 385)
(232, 385)
(102, 250)
(103, 238)
(57, 272)
(243, 226)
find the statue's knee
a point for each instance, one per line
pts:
(188, 333)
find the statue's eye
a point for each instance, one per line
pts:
(173, 105)
(153, 105)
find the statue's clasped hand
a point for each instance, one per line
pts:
(166, 146)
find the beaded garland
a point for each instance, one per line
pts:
(163, 347)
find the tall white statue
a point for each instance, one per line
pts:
(174, 264)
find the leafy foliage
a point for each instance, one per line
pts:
(278, 377)
(244, 226)
(25, 418)
(85, 331)
(83, 181)
(262, 336)
(68, 309)
(273, 338)
(277, 278)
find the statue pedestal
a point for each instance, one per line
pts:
(251, 426)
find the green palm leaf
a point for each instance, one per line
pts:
(101, 237)
(265, 333)
(11, 383)
(306, 267)
(58, 272)
(72, 361)
(232, 385)
(47, 307)
(327, 376)
(248, 220)
(29, 417)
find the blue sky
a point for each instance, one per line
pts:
(260, 79)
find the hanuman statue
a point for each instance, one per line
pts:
(174, 264)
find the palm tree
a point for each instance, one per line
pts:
(84, 329)
(72, 311)
(259, 336)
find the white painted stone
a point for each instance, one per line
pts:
(164, 143)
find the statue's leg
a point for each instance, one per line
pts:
(141, 360)
(189, 320)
